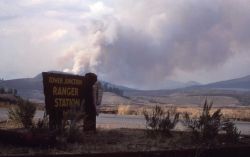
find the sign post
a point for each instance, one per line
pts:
(62, 92)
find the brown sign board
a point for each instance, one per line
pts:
(63, 91)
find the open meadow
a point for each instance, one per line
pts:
(122, 127)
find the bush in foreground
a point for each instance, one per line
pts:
(232, 132)
(23, 113)
(207, 127)
(161, 121)
(71, 125)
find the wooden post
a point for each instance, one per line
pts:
(89, 123)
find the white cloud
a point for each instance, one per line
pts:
(5, 31)
(54, 36)
(100, 9)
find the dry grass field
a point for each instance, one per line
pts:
(135, 105)
(115, 140)
(235, 113)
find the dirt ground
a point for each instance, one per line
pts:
(117, 140)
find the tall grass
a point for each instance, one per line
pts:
(124, 110)
(160, 121)
(207, 126)
(23, 113)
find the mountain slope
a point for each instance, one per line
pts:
(238, 83)
(32, 88)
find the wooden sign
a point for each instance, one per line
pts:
(63, 91)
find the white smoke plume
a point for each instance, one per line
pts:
(145, 42)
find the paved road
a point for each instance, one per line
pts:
(120, 121)
(103, 120)
(128, 121)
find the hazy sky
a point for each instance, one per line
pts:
(138, 43)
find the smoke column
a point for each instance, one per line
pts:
(142, 43)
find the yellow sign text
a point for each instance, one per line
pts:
(65, 91)
(66, 102)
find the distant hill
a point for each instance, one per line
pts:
(32, 88)
(29, 88)
(242, 83)
(170, 84)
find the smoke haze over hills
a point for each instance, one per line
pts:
(140, 44)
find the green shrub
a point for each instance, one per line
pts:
(159, 121)
(232, 133)
(71, 128)
(42, 123)
(73, 133)
(207, 127)
(23, 113)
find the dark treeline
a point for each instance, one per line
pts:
(8, 91)
(108, 88)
